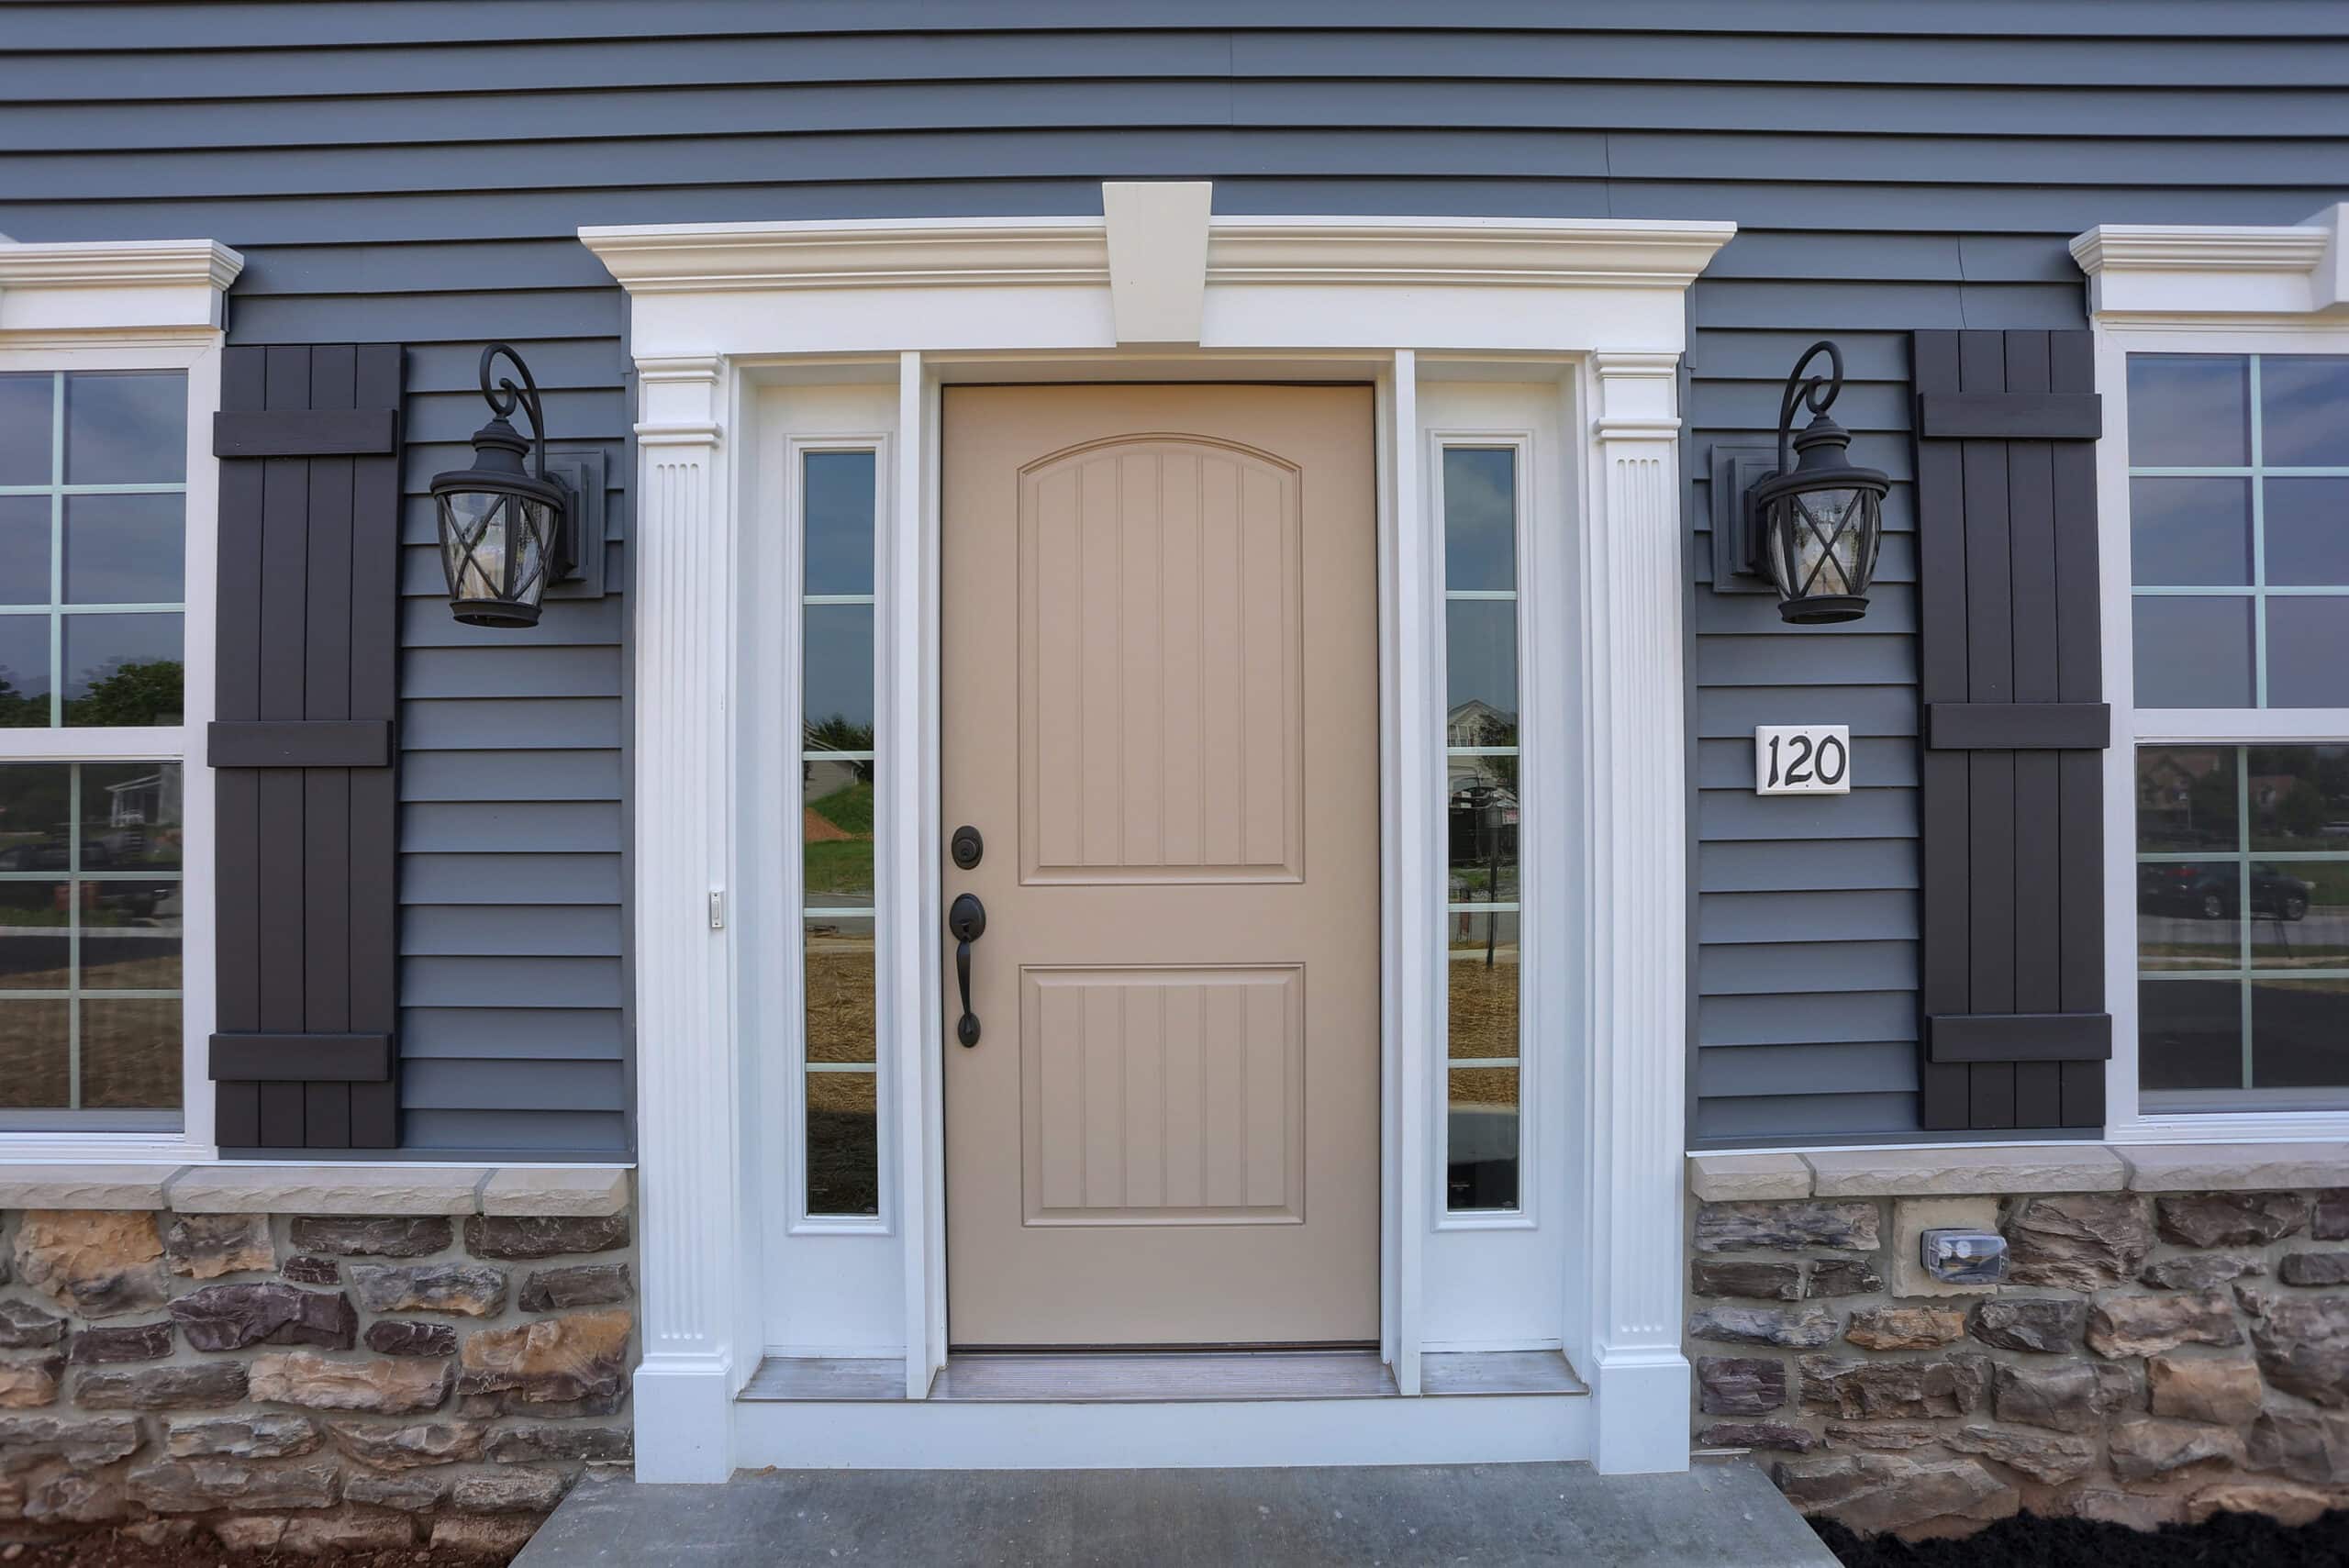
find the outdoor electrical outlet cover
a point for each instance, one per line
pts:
(1965, 1257)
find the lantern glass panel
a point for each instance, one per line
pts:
(1829, 534)
(495, 544)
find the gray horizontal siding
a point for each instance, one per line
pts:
(415, 174)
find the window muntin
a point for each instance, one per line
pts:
(1482, 1079)
(2239, 529)
(839, 491)
(2239, 594)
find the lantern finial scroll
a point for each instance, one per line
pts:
(505, 532)
(1814, 525)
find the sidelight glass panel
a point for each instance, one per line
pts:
(91, 928)
(841, 1080)
(1482, 890)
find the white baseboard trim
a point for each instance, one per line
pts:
(1642, 1411)
(933, 1435)
(684, 1420)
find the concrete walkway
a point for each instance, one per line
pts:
(1482, 1516)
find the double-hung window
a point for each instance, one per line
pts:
(2236, 735)
(101, 471)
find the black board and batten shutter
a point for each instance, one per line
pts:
(2015, 1032)
(308, 439)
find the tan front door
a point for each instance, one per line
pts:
(1159, 691)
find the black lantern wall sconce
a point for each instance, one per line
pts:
(509, 534)
(1808, 526)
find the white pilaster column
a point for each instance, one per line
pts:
(1638, 864)
(688, 1079)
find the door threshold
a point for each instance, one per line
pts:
(1161, 1377)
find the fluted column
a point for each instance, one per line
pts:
(687, 1082)
(1638, 867)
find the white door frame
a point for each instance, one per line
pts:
(1158, 285)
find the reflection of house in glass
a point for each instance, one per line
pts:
(151, 797)
(1481, 784)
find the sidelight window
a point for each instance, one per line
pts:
(839, 1074)
(1482, 807)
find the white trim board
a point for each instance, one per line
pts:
(720, 311)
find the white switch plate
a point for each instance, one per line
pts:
(1802, 759)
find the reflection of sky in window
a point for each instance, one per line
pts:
(1480, 649)
(2193, 652)
(2308, 649)
(2190, 531)
(96, 646)
(24, 657)
(124, 549)
(23, 546)
(2306, 530)
(1479, 517)
(838, 679)
(2303, 410)
(840, 488)
(126, 429)
(24, 402)
(2189, 410)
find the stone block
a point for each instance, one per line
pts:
(570, 1442)
(73, 1498)
(160, 1533)
(525, 1237)
(2302, 1343)
(205, 1246)
(494, 1535)
(571, 1190)
(2049, 1324)
(1754, 1279)
(1867, 1390)
(2081, 1241)
(85, 1444)
(378, 1387)
(2050, 1458)
(1786, 1227)
(1911, 1218)
(2287, 1504)
(409, 1447)
(2306, 1445)
(396, 1337)
(2230, 1219)
(2124, 1325)
(326, 1189)
(25, 1327)
(92, 1263)
(209, 1388)
(1873, 1493)
(513, 1490)
(2235, 1167)
(374, 1236)
(607, 1284)
(28, 1382)
(241, 1437)
(2331, 1220)
(2146, 1446)
(125, 1342)
(1804, 1326)
(581, 1355)
(306, 1270)
(2070, 1396)
(1893, 1436)
(1743, 1178)
(2200, 1270)
(1905, 1327)
(199, 1486)
(1964, 1171)
(2314, 1268)
(85, 1186)
(471, 1290)
(339, 1535)
(257, 1532)
(2222, 1390)
(1842, 1277)
(1759, 1434)
(1736, 1386)
(417, 1492)
(2133, 1509)
(232, 1317)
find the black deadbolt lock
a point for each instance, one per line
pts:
(966, 846)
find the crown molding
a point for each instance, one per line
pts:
(2215, 272)
(114, 286)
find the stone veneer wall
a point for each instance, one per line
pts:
(312, 1381)
(2172, 1339)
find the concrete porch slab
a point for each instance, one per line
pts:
(1714, 1516)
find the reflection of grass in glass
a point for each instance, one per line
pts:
(1481, 1009)
(1484, 1086)
(841, 1025)
(848, 809)
(842, 865)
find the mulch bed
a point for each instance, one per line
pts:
(107, 1549)
(2026, 1540)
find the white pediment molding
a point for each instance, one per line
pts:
(115, 287)
(2213, 272)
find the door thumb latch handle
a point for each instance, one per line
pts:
(966, 922)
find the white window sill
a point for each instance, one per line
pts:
(1995, 1170)
(565, 1190)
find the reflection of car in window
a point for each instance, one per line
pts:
(2210, 892)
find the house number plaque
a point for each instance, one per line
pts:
(1802, 759)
